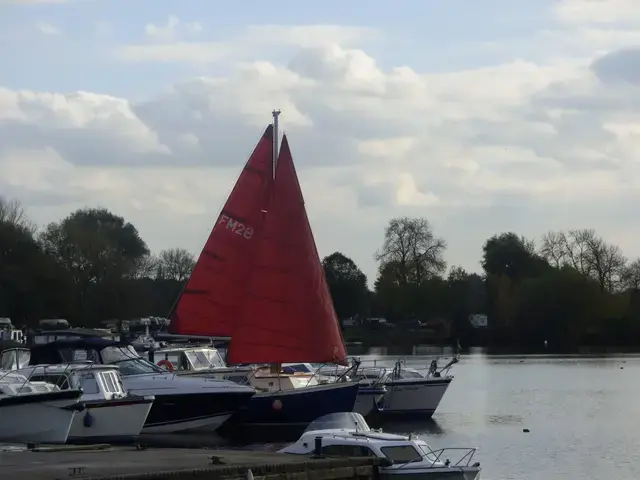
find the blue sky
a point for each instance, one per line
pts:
(426, 34)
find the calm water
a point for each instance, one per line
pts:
(582, 413)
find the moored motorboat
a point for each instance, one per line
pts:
(348, 435)
(35, 415)
(203, 360)
(181, 404)
(409, 392)
(112, 415)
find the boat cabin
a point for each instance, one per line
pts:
(348, 435)
(207, 361)
(95, 350)
(13, 355)
(198, 360)
(98, 382)
(189, 358)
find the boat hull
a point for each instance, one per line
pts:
(38, 418)
(187, 404)
(110, 421)
(434, 473)
(297, 407)
(414, 397)
(197, 412)
(370, 400)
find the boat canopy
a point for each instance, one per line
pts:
(339, 420)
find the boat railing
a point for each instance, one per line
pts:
(433, 369)
(442, 456)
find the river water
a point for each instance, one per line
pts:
(583, 414)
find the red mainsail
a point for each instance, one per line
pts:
(287, 314)
(211, 301)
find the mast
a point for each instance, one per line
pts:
(275, 114)
(275, 367)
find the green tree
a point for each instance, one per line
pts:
(347, 284)
(511, 255)
(559, 306)
(98, 250)
(31, 284)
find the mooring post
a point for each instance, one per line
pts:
(317, 448)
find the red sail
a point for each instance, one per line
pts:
(288, 314)
(210, 302)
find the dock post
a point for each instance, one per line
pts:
(317, 449)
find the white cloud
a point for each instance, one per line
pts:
(578, 12)
(188, 52)
(168, 43)
(172, 30)
(523, 145)
(47, 29)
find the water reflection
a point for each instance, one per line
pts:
(405, 427)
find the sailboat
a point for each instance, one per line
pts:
(259, 281)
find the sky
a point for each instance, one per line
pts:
(484, 116)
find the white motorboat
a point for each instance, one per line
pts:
(112, 415)
(181, 404)
(407, 457)
(32, 414)
(410, 392)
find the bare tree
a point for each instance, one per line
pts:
(630, 277)
(586, 252)
(605, 262)
(146, 267)
(412, 246)
(553, 248)
(12, 212)
(175, 263)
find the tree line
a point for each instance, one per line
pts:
(571, 288)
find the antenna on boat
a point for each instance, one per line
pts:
(275, 114)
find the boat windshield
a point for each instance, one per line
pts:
(204, 359)
(339, 420)
(15, 359)
(428, 453)
(128, 360)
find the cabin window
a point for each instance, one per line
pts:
(402, 454)
(15, 359)
(347, 451)
(110, 384)
(61, 381)
(89, 384)
(214, 358)
(199, 360)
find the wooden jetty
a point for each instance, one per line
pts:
(111, 463)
